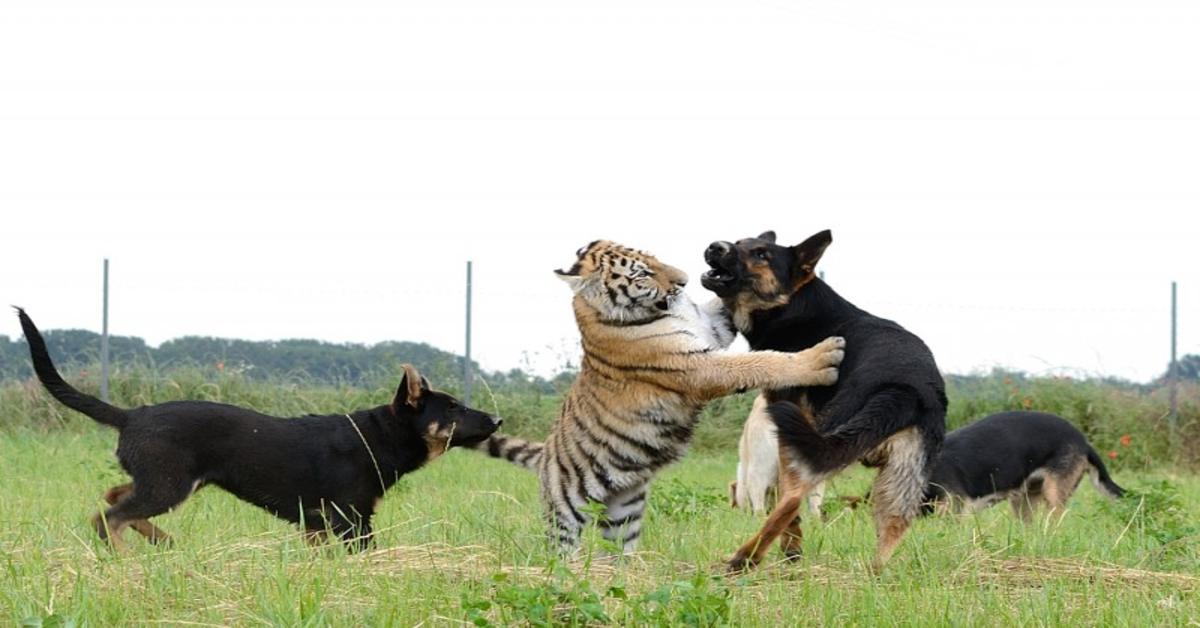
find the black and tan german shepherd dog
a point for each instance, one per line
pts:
(1029, 458)
(326, 473)
(887, 410)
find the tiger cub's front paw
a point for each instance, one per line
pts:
(825, 358)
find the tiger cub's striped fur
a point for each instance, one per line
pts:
(651, 360)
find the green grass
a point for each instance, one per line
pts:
(461, 543)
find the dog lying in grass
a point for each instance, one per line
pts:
(325, 473)
(1029, 458)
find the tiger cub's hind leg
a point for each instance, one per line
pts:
(564, 509)
(621, 523)
(565, 524)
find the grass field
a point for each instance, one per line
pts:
(460, 543)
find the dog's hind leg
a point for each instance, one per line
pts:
(898, 492)
(351, 524)
(1022, 503)
(346, 522)
(815, 499)
(315, 538)
(153, 533)
(789, 483)
(144, 499)
(362, 535)
(109, 530)
(781, 520)
(784, 521)
(1058, 489)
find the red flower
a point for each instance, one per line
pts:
(1125, 440)
(1112, 454)
(221, 367)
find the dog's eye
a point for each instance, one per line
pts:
(762, 255)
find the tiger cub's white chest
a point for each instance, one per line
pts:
(708, 324)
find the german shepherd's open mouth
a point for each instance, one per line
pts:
(721, 277)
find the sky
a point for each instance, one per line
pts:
(1016, 182)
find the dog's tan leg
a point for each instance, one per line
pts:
(1053, 499)
(815, 500)
(1057, 491)
(1022, 506)
(316, 538)
(783, 516)
(889, 529)
(892, 519)
(897, 493)
(784, 520)
(108, 528)
(153, 533)
(789, 483)
(109, 531)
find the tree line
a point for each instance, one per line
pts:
(305, 360)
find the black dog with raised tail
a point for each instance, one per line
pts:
(326, 473)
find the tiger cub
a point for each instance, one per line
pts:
(651, 360)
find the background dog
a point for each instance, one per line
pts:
(756, 486)
(326, 473)
(1028, 458)
(888, 409)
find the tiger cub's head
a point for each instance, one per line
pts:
(623, 284)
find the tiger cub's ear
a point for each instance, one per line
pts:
(571, 277)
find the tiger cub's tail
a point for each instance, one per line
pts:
(515, 450)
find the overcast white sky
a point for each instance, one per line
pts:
(1017, 182)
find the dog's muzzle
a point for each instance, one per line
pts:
(722, 259)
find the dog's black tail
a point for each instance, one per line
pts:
(853, 432)
(796, 432)
(1099, 476)
(519, 452)
(59, 388)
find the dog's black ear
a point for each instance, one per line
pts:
(768, 236)
(809, 252)
(412, 387)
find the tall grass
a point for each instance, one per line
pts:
(461, 542)
(1129, 423)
